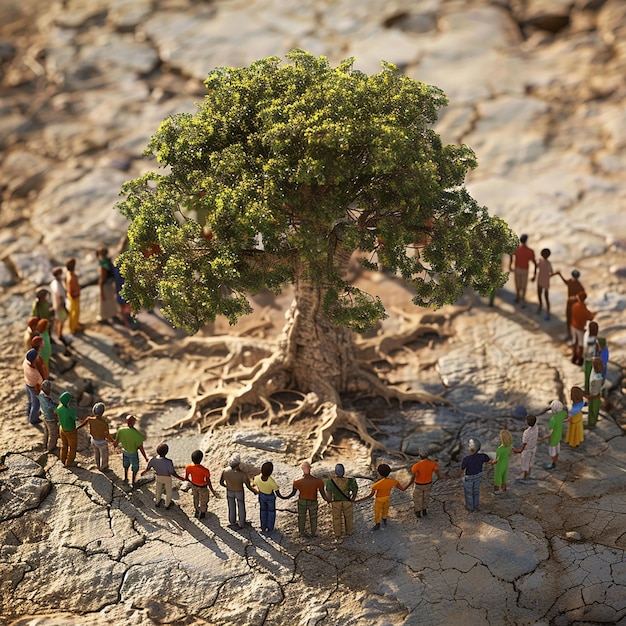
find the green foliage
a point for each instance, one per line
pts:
(310, 160)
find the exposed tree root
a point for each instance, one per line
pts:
(414, 327)
(256, 374)
(333, 417)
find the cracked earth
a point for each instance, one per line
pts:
(80, 548)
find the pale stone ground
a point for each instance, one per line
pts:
(84, 84)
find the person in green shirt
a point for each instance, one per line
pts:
(68, 429)
(341, 492)
(132, 443)
(501, 462)
(557, 419)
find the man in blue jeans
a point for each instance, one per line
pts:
(33, 380)
(235, 479)
(132, 443)
(472, 465)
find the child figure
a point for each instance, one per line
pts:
(200, 479)
(382, 489)
(472, 465)
(575, 435)
(557, 419)
(164, 470)
(268, 490)
(528, 449)
(594, 396)
(99, 431)
(544, 273)
(501, 462)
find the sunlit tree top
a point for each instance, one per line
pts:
(287, 168)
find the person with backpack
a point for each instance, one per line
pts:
(341, 492)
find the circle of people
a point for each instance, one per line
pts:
(61, 421)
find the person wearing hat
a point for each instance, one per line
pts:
(574, 287)
(99, 431)
(132, 443)
(557, 419)
(59, 294)
(50, 420)
(69, 430)
(33, 380)
(234, 479)
(472, 468)
(341, 493)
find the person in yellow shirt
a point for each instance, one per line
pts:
(72, 287)
(268, 490)
(382, 490)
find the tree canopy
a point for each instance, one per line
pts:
(285, 170)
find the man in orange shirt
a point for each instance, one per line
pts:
(382, 489)
(520, 261)
(580, 316)
(423, 478)
(308, 486)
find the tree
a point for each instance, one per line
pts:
(280, 176)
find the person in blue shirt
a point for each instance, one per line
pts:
(472, 468)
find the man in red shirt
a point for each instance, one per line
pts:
(520, 261)
(308, 486)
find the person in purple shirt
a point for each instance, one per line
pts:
(472, 465)
(164, 470)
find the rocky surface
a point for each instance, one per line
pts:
(536, 88)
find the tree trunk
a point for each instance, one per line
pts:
(322, 358)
